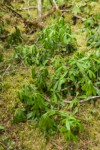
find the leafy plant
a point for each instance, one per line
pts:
(40, 78)
(33, 101)
(93, 38)
(78, 6)
(56, 77)
(64, 122)
(53, 39)
(48, 123)
(82, 6)
(45, 100)
(92, 22)
(77, 76)
(2, 128)
(71, 126)
(24, 53)
(19, 115)
(1, 29)
(58, 36)
(1, 57)
(14, 38)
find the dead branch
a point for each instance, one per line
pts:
(40, 9)
(27, 22)
(79, 17)
(55, 4)
(3, 37)
(54, 9)
(49, 13)
(3, 145)
(65, 10)
(65, 6)
(65, 89)
(85, 100)
(6, 70)
(30, 7)
(57, 146)
(16, 13)
(35, 23)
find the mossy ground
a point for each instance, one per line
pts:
(27, 136)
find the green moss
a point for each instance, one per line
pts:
(1, 148)
(26, 135)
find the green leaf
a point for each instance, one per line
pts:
(19, 115)
(2, 128)
(68, 125)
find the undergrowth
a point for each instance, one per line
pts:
(54, 39)
(92, 27)
(55, 78)
(60, 74)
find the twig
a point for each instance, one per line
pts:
(55, 4)
(6, 70)
(54, 9)
(57, 146)
(2, 9)
(79, 17)
(40, 9)
(30, 7)
(3, 145)
(35, 23)
(65, 10)
(81, 101)
(10, 8)
(85, 100)
(49, 13)
(65, 89)
(46, 98)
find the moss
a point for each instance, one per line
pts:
(26, 135)
(1, 148)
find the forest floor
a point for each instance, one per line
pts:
(27, 136)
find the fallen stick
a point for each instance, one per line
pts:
(55, 4)
(35, 23)
(3, 145)
(10, 8)
(57, 146)
(40, 10)
(26, 21)
(85, 100)
(54, 9)
(79, 17)
(80, 101)
(30, 7)
(65, 10)
(49, 13)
